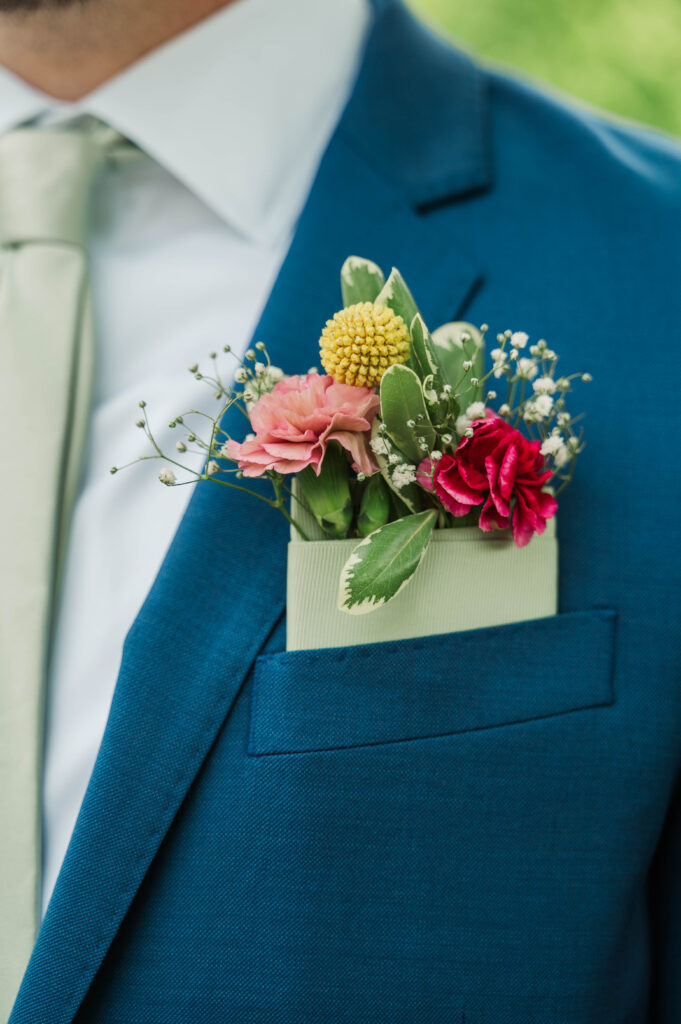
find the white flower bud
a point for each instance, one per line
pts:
(475, 411)
(527, 368)
(403, 476)
(379, 446)
(544, 386)
(167, 477)
(543, 404)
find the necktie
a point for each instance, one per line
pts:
(46, 357)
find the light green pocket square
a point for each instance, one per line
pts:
(467, 580)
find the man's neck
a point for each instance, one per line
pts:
(67, 52)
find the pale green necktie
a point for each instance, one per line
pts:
(46, 359)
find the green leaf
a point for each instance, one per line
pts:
(451, 349)
(396, 296)
(402, 402)
(361, 280)
(374, 510)
(384, 562)
(423, 349)
(328, 495)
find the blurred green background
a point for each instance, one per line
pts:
(622, 55)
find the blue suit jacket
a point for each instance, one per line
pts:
(480, 827)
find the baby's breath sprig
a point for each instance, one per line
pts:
(256, 376)
(535, 398)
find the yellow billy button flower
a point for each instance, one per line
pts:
(361, 342)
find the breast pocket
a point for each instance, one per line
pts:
(436, 686)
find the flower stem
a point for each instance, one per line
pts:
(280, 503)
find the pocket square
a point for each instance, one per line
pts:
(467, 580)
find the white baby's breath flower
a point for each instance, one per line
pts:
(403, 475)
(475, 411)
(563, 419)
(241, 376)
(393, 459)
(462, 424)
(544, 386)
(259, 369)
(379, 446)
(555, 446)
(498, 355)
(167, 477)
(543, 405)
(435, 455)
(467, 364)
(213, 467)
(552, 444)
(519, 339)
(504, 409)
(527, 368)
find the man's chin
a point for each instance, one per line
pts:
(12, 6)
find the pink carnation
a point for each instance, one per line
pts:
(499, 469)
(296, 420)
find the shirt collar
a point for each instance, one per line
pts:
(239, 108)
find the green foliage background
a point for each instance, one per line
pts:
(623, 55)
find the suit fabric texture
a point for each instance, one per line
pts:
(480, 827)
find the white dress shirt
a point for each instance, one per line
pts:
(233, 117)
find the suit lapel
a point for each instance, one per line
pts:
(221, 588)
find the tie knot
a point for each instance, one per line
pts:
(45, 181)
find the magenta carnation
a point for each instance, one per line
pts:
(294, 423)
(498, 468)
